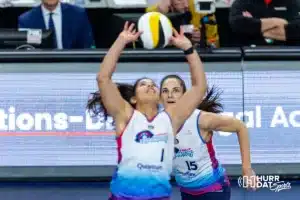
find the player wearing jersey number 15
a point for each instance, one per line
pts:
(145, 137)
(197, 170)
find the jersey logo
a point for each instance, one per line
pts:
(187, 174)
(184, 153)
(150, 127)
(152, 168)
(145, 137)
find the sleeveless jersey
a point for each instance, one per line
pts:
(196, 168)
(145, 155)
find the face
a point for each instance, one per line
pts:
(180, 5)
(50, 3)
(146, 91)
(171, 91)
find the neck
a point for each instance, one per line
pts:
(169, 106)
(149, 110)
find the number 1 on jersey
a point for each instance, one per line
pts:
(162, 155)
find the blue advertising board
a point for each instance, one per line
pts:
(44, 122)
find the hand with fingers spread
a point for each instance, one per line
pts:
(179, 40)
(129, 33)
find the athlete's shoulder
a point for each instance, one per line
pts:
(197, 111)
(195, 114)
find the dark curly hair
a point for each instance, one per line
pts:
(95, 105)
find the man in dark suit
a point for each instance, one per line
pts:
(70, 24)
(266, 22)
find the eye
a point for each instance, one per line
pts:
(164, 91)
(176, 90)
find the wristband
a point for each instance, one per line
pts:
(189, 51)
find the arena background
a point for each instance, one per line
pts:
(46, 135)
(45, 129)
(102, 18)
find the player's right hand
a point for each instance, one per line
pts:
(252, 182)
(129, 33)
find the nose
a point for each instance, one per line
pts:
(186, 4)
(151, 86)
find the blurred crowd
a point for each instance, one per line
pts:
(253, 22)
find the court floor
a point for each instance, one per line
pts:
(99, 191)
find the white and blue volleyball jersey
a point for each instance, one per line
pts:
(196, 168)
(145, 156)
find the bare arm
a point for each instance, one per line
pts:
(115, 105)
(277, 33)
(267, 24)
(193, 97)
(285, 31)
(111, 97)
(213, 122)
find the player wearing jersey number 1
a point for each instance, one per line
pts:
(196, 168)
(145, 137)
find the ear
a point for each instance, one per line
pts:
(133, 100)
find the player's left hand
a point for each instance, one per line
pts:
(252, 179)
(179, 40)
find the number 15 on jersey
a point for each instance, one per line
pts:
(191, 165)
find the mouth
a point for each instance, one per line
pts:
(151, 90)
(171, 102)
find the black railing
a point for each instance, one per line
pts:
(163, 55)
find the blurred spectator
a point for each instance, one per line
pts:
(262, 22)
(205, 25)
(5, 3)
(71, 24)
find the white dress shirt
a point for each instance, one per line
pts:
(57, 19)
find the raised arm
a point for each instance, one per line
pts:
(193, 97)
(115, 105)
(214, 122)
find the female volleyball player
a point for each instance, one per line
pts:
(197, 171)
(145, 137)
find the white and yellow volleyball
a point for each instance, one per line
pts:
(157, 30)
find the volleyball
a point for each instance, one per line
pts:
(157, 30)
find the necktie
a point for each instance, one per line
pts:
(52, 27)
